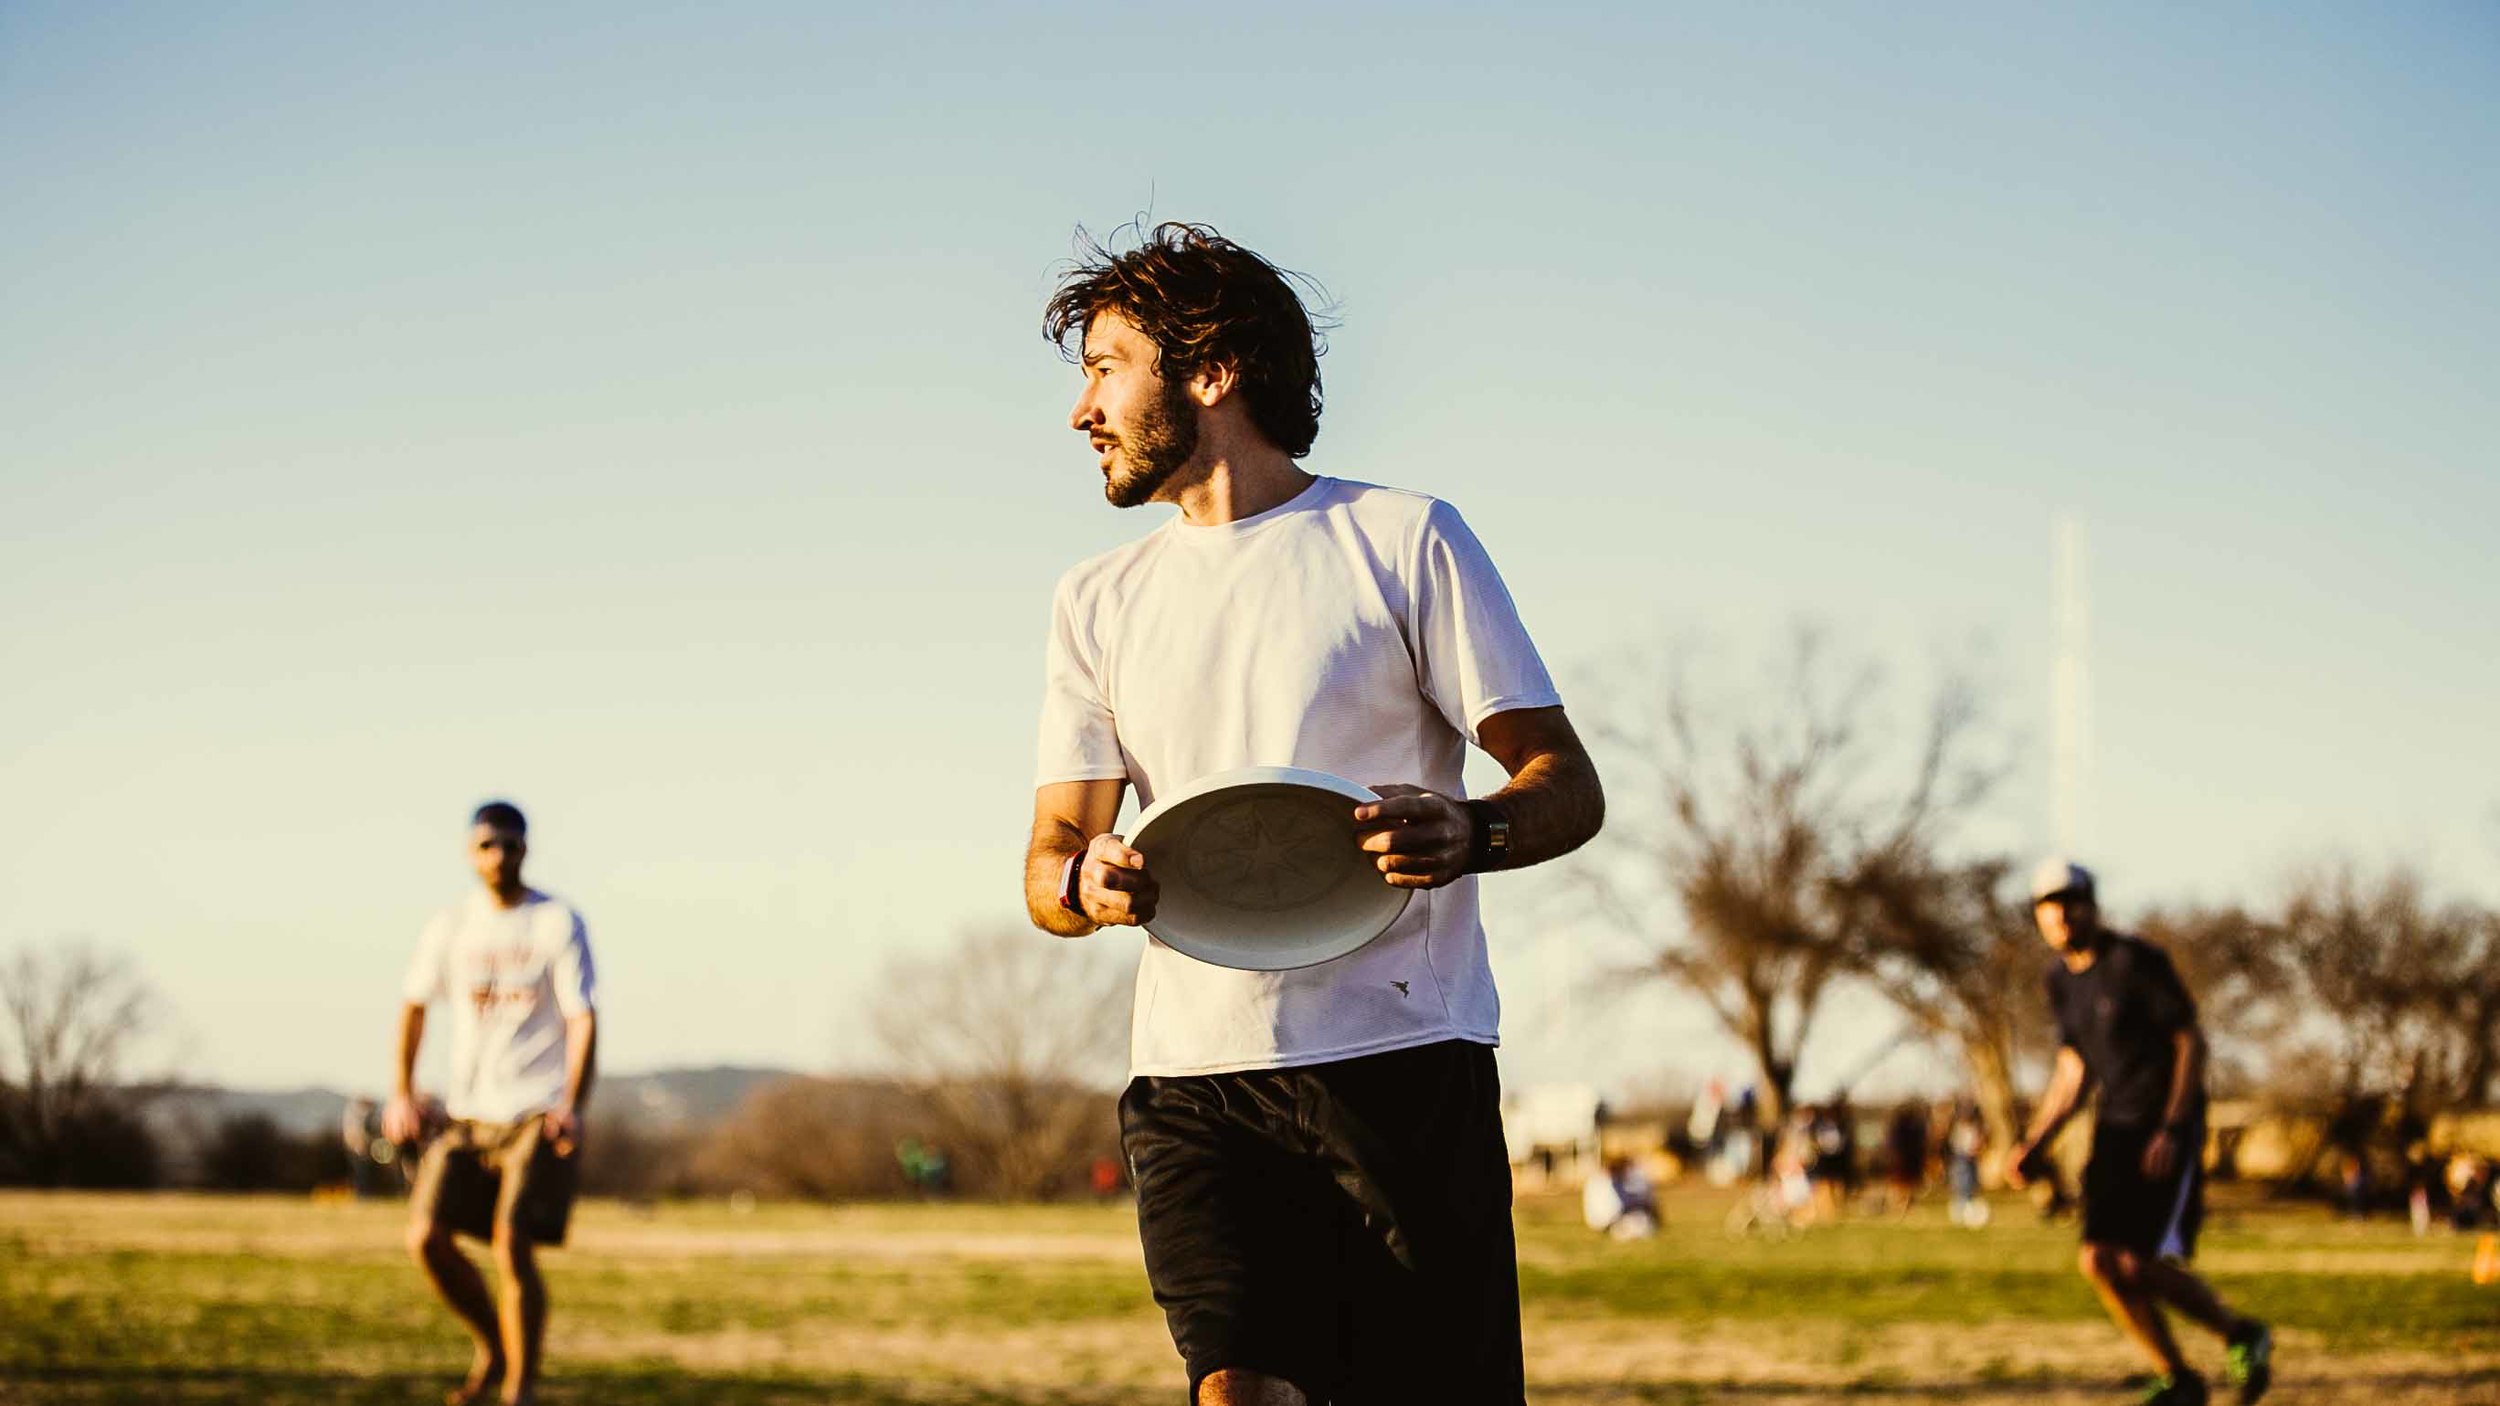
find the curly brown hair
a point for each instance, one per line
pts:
(1204, 301)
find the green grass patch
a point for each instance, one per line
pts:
(279, 1303)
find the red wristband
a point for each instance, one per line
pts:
(1067, 885)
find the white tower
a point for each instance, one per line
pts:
(2068, 685)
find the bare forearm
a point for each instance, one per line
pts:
(1068, 816)
(2057, 1104)
(581, 1058)
(1554, 805)
(2046, 1121)
(411, 1035)
(2187, 1074)
(1045, 874)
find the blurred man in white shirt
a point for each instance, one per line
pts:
(513, 966)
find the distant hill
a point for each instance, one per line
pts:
(682, 1098)
(298, 1111)
(662, 1098)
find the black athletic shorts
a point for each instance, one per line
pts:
(2125, 1208)
(1343, 1226)
(475, 1176)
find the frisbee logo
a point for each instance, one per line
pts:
(1262, 860)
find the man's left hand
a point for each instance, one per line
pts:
(563, 1128)
(1421, 836)
(2161, 1155)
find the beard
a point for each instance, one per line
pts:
(1164, 438)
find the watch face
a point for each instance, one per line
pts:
(1496, 845)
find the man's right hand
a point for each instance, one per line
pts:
(403, 1119)
(1113, 886)
(2017, 1172)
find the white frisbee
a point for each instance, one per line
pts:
(1259, 869)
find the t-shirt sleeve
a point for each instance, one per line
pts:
(425, 981)
(1078, 739)
(572, 973)
(2167, 1005)
(1473, 657)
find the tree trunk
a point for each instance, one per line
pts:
(2482, 1050)
(1777, 1075)
(1992, 1081)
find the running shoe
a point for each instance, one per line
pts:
(2248, 1362)
(2177, 1391)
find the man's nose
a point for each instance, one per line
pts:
(1083, 416)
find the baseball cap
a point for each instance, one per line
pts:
(2057, 876)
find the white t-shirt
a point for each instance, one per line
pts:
(1354, 630)
(511, 977)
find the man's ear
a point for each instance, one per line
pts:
(1212, 382)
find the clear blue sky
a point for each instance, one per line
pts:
(646, 418)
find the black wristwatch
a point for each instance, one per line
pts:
(1072, 885)
(1488, 843)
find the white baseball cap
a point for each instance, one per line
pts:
(2059, 875)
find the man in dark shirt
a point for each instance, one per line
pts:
(2126, 1024)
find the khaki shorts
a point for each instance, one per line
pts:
(476, 1176)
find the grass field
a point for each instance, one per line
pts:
(110, 1299)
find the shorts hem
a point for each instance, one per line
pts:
(1311, 1386)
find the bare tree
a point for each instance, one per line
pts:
(74, 1017)
(1013, 1040)
(1739, 835)
(2235, 967)
(812, 1138)
(2473, 1008)
(1954, 948)
(2405, 981)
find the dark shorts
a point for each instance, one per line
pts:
(2125, 1208)
(1343, 1226)
(475, 1176)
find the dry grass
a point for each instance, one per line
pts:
(195, 1299)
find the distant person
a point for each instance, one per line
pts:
(356, 1135)
(1829, 1161)
(2471, 1191)
(1966, 1137)
(1322, 1190)
(1742, 1150)
(1905, 1154)
(1787, 1167)
(1844, 1116)
(1705, 1128)
(1618, 1201)
(911, 1156)
(2125, 1022)
(513, 967)
(2420, 1177)
(2356, 1184)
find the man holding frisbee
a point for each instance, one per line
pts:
(1322, 1189)
(2126, 1024)
(513, 965)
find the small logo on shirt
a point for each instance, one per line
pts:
(1401, 986)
